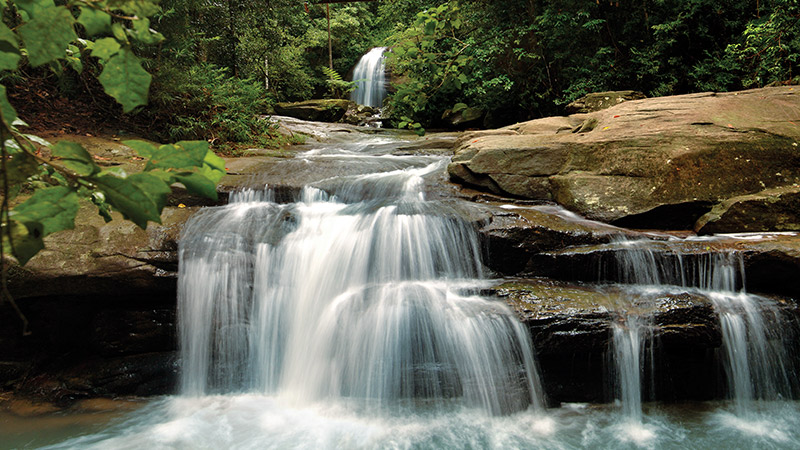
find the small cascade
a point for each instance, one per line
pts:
(630, 338)
(369, 76)
(349, 293)
(755, 357)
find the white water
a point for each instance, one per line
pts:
(754, 350)
(277, 392)
(369, 76)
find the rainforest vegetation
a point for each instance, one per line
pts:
(221, 64)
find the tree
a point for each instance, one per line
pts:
(46, 34)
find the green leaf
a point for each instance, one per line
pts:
(430, 27)
(155, 188)
(402, 124)
(129, 199)
(458, 107)
(119, 32)
(9, 49)
(33, 7)
(144, 34)
(141, 8)
(8, 112)
(47, 36)
(124, 79)
(182, 155)
(144, 149)
(22, 240)
(75, 158)
(21, 166)
(215, 162)
(212, 174)
(198, 184)
(105, 48)
(94, 21)
(55, 208)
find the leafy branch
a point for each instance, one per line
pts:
(47, 35)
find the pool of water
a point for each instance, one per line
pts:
(252, 421)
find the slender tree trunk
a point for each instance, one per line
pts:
(330, 46)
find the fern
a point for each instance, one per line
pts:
(339, 88)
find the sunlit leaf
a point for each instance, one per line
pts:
(124, 79)
(75, 158)
(22, 240)
(54, 207)
(129, 199)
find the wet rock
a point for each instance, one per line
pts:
(98, 258)
(770, 262)
(768, 210)
(570, 327)
(597, 101)
(653, 163)
(518, 235)
(324, 110)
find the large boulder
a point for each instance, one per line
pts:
(323, 110)
(652, 163)
(597, 101)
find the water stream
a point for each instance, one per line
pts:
(755, 335)
(352, 318)
(369, 76)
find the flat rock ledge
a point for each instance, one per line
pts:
(652, 163)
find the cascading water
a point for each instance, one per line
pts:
(369, 76)
(321, 299)
(754, 354)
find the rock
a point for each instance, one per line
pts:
(97, 257)
(653, 163)
(570, 326)
(769, 210)
(597, 101)
(462, 116)
(324, 110)
(770, 263)
(516, 235)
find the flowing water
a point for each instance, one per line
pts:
(351, 318)
(369, 76)
(755, 336)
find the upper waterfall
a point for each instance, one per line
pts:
(370, 79)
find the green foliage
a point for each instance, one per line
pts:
(769, 48)
(47, 36)
(519, 60)
(203, 101)
(337, 86)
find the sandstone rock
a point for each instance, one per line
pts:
(597, 101)
(769, 210)
(643, 162)
(325, 110)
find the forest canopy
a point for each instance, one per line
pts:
(224, 62)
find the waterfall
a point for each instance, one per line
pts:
(369, 76)
(754, 354)
(347, 294)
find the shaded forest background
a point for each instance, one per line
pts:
(225, 62)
